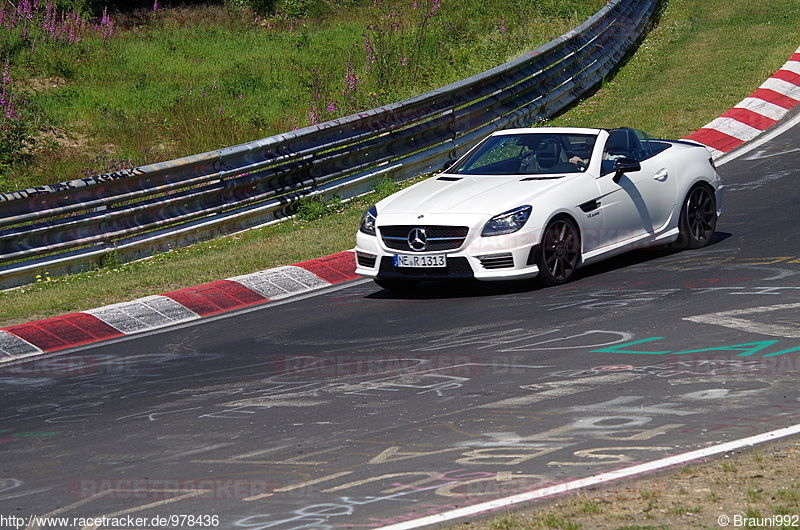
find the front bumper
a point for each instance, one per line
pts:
(496, 258)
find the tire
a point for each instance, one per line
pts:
(698, 218)
(396, 285)
(560, 251)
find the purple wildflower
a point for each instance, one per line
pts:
(24, 10)
(107, 25)
(370, 50)
(49, 22)
(8, 102)
(351, 78)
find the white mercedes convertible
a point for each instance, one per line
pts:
(541, 202)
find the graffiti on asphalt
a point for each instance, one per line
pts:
(764, 348)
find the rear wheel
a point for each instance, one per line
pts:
(698, 218)
(559, 253)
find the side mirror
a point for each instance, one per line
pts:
(625, 165)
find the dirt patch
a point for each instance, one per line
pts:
(41, 84)
(56, 140)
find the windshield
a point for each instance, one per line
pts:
(529, 154)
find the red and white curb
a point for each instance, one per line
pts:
(755, 114)
(152, 312)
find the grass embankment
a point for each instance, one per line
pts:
(89, 97)
(704, 57)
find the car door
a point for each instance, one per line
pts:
(623, 212)
(657, 187)
(638, 201)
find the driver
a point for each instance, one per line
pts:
(578, 161)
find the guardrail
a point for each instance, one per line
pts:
(74, 226)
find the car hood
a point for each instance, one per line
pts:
(462, 194)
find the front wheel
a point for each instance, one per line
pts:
(698, 218)
(559, 253)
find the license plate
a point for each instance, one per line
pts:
(406, 260)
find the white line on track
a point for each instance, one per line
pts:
(730, 319)
(597, 479)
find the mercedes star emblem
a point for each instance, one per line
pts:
(418, 239)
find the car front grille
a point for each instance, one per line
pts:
(438, 238)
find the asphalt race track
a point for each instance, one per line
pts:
(357, 407)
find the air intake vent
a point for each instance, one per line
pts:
(366, 260)
(497, 261)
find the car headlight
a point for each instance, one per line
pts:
(507, 222)
(368, 221)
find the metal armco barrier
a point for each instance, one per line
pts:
(72, 226)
